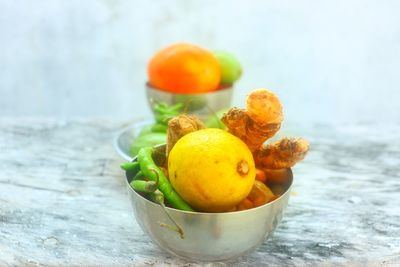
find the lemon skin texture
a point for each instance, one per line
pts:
(211, 169)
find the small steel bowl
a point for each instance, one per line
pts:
(124, 138)
(209, 236)
(202, 104)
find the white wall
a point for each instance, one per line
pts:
(329, 61)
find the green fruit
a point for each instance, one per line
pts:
(145, 130)
(231, 70)
(147, 140)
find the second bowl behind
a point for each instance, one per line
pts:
(202, 104)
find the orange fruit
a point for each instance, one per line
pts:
(260, 194)
(184, 68)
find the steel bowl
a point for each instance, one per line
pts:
(124, 138)
(202, 104)
(209, 236)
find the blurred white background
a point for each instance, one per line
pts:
(329, 61)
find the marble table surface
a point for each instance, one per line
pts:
(63, 200)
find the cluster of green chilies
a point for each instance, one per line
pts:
(163, 114)
(150, 179)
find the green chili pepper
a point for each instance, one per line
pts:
(159, 128)
(177, 107)
(153, 173)
(130, 166)
(165, 117)
(160, 108)
(144, 186)
(139, 176)
(164, 108)
(164, 112)
(157, 197)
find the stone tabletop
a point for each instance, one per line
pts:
(63, 200)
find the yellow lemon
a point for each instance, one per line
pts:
(211, 169)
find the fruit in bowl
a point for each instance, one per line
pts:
(184, 68)
(211, 169)
(231, 69)
(186, 73)
(215, 183)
